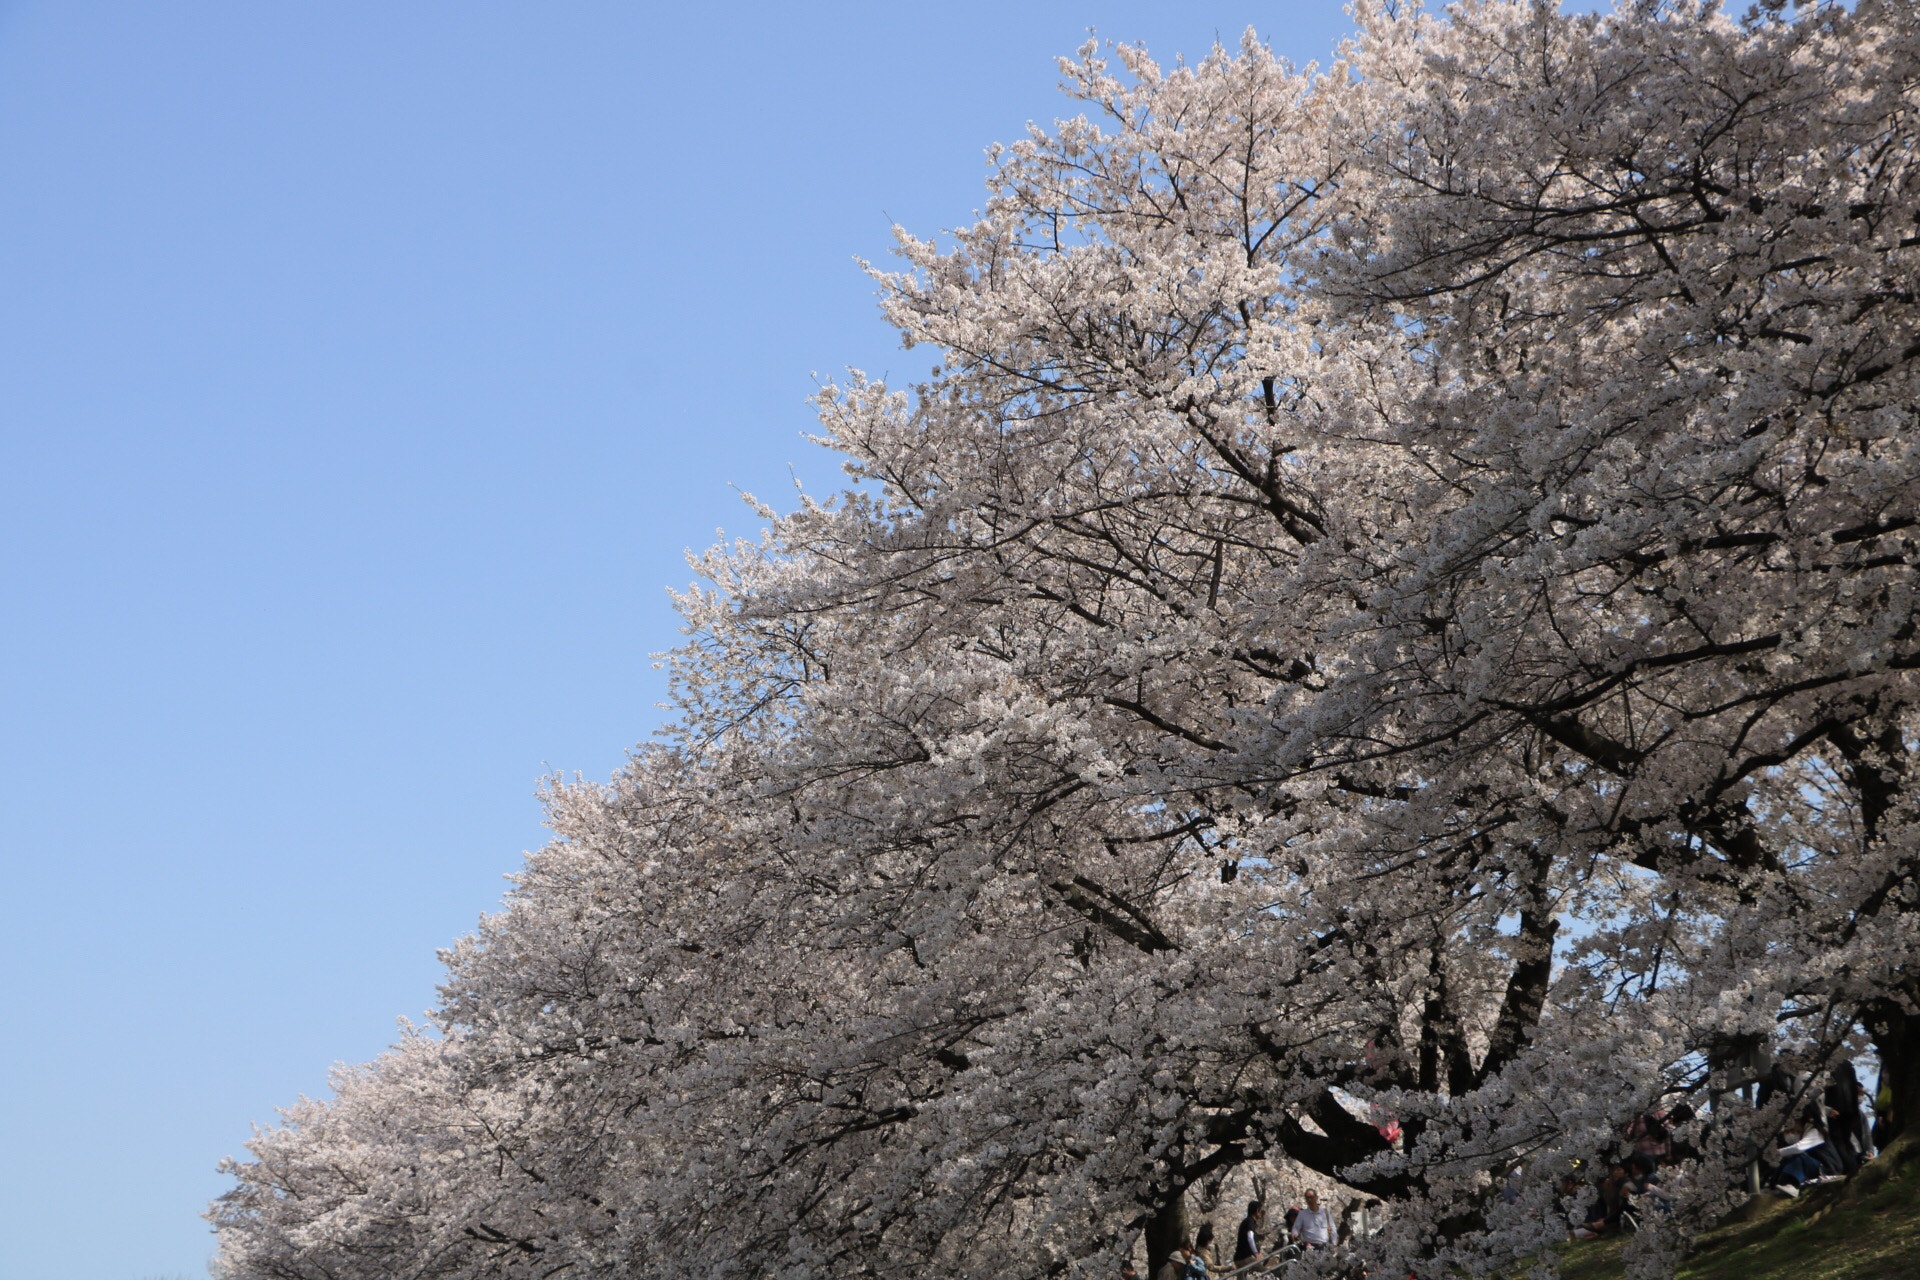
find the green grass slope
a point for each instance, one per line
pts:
(1867, 1228)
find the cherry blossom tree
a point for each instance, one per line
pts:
(1384, 645)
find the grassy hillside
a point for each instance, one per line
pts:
(1867, 1228)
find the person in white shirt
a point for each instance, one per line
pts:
(1800, 1162)
(1313, 1225)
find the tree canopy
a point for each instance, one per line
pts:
(1385, 643)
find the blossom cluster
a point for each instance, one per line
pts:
(1385, 645)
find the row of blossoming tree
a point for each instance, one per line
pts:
(1396, 599)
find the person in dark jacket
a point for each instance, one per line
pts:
(1847, 1123)
(1778, 1082)
(1679, 1124)
(1246, 1241)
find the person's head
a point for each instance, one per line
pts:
(1313, 1199)
(1256, 1210)
(1205, 1237)
(1127, 1272)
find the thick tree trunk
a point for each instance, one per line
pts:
(1896, 1038)
(1166, 1231)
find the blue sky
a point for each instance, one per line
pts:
(365, 370)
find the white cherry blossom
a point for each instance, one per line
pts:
(1397, 599)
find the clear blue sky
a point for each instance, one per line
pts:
(365, 370)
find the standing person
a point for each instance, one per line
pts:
(1650, 1136)
(1681, 1147)
(1313, 1225)
(1202, 1260)
(1848, 1122)
(1778, 1082)
(1840, 1143)
(1246, 1241)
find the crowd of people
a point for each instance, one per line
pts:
(1831, 1137)
(1260, 1247)
(1630, 1182)
(1825, 1138)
